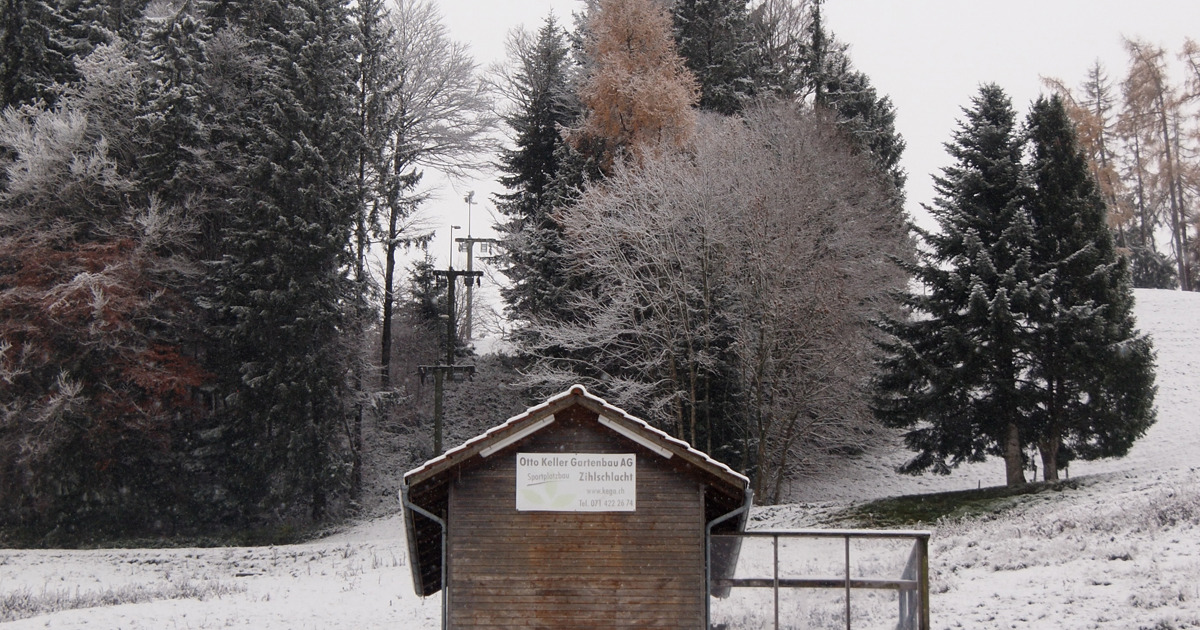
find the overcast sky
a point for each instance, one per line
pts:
(930, 56)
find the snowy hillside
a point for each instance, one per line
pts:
(1122, 550)
(1172, 319)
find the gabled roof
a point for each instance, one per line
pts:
(536, 418)
(426, 486)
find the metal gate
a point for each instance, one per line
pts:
(811, 577)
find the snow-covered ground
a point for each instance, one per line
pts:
(1122, 550)
(1172, 318)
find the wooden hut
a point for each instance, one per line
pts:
(573, 514)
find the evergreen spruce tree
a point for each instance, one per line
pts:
(869, 119)
(35, 52)
(952, 370)
(120, 18)
(426, 297)
(795, 57)
(172, 132)
(713, 38)
(539, 84)
(284, 295)
(376, 78)
(1092, 372)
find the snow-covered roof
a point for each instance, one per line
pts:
(515, 426)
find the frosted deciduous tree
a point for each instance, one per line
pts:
(95, 280)
(438, 115)
(733, 283)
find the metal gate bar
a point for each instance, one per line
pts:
(912, 586)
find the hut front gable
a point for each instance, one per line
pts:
(559, 569)
(494, 550)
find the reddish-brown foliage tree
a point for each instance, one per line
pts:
(94, 382)
(639, 94)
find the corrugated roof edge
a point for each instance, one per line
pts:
(579, 391)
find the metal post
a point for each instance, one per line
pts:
(468, 245)
(776, 548)
(847, 582)
(923, 547)
(438, 379)
(470, 305)
(910, 599)
(441, 371)
(451, 333)
(452, 277)
(470, 198)
(744, 510)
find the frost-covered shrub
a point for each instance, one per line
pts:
(1173, 506)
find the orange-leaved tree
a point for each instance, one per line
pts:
(638, 95)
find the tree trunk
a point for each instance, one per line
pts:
(678, 404)
(1049, 448)
(389, 300)
(319, 497)
(1013, 466)
(1178, 221)
(781, 469)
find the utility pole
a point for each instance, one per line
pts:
(449, 369)
(468, 245)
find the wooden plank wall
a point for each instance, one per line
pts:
(642, 569)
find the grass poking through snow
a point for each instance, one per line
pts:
(27, 603)
(927, 509)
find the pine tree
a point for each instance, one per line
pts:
(1091, 371)
(35, 53)
(713, 38)
(283, 294)
(539, 87)
(172, 133)
(952, 371)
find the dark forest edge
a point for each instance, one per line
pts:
(209, 333)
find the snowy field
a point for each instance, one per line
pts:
(1120, 551)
